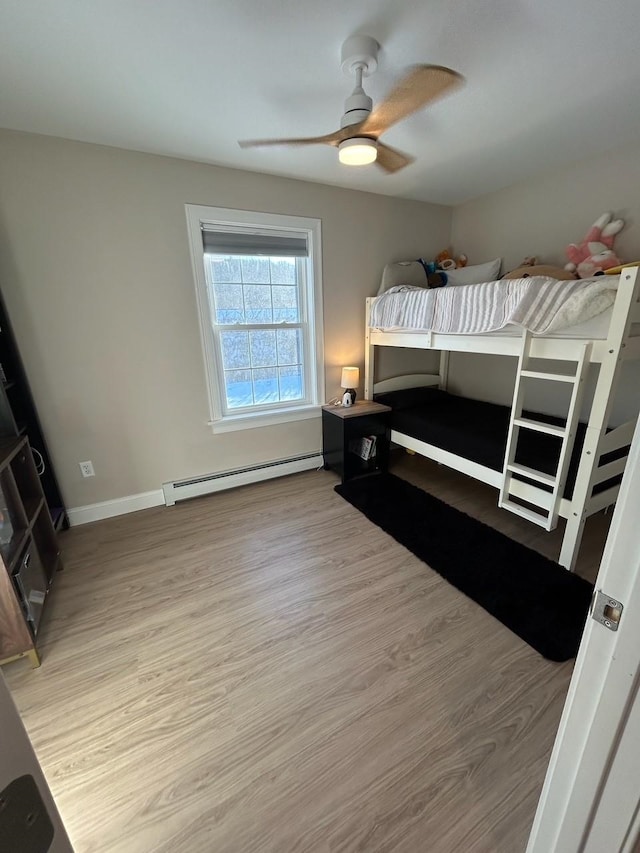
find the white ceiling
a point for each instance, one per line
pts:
(548, 82)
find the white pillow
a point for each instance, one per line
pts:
(476, 274)
(403, 272)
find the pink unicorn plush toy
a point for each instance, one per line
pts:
(595, 253)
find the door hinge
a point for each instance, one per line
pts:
(606, 610)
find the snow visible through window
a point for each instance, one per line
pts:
(255, 305)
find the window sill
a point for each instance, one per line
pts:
(237, 422)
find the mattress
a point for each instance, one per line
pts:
(477, 430)
(580, 309)
(595, 329)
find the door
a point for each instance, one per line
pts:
(29, 819)
(590, 800)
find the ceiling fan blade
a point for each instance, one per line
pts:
(328, 139)
(392, 160)
(422, 85)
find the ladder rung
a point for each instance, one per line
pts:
(532, 474)
(540, 426)
(529, 514)
(555, 377)
(543, 500)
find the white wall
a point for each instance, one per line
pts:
(540, 217)
(96, 274)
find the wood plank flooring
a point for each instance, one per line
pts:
(264, 670)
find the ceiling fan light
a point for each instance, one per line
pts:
(358, 151)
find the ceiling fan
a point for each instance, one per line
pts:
(358, 139)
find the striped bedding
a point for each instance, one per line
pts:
(540, 304)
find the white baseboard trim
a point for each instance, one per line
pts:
(196, 486)
(118, 506)
(178, 490)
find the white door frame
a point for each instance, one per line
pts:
(590, 800)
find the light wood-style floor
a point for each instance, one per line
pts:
(264, 671)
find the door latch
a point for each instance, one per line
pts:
(606, 610)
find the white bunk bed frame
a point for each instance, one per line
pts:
(609, 353)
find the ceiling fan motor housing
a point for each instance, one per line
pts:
(356, 109)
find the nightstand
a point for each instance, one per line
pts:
(355, 439)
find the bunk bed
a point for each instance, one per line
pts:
(588, 459)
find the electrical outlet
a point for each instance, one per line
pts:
(87, 469)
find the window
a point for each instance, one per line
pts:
(258, 286)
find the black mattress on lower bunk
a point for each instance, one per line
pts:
(477, 431)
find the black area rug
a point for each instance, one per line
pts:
(541, 602)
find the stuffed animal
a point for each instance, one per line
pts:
(445, 260)
(527, 270)
(595, 253)
(435, 277)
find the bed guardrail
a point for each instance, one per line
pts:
(617, 439)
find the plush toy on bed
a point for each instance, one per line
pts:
(528, 270)
(435, 277)
(595, 253)
(446, 261)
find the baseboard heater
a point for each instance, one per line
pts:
(179, 490)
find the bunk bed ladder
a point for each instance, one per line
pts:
(555, 483)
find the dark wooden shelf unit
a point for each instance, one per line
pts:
(29, 554)
(18, 417)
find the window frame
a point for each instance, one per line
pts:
(312, 325)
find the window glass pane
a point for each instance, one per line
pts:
(224, 268)
(255, 270)
(235, 349)
(285, 304)
(257, 301)
(265, 385)
(289, 346)
(283, 270)
(291, 383)
(228, 303)
(238, 388)
(263, 348)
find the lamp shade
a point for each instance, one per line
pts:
(350, 377)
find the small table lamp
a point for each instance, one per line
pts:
(349, 381)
